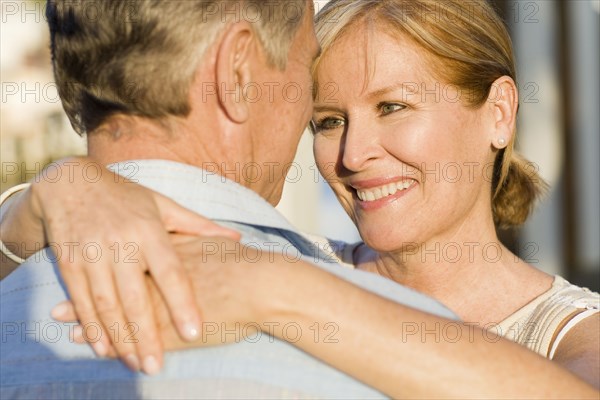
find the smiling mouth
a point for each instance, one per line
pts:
(379, 192)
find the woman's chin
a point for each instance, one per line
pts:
(381, 242)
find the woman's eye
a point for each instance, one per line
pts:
(389, 108)
(328, 123)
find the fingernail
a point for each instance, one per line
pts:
(99, 348)
(59, 311)
(190, 331)
(151, 366)
(132, 362)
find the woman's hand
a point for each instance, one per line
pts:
(108, 234)
(232, 284)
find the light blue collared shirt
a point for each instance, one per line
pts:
(37, 358)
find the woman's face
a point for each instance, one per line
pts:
(409, 162)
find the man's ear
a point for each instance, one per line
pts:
(504, 102)
(233, 69)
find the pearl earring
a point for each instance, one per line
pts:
(501, 142)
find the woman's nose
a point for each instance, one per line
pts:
(360, 147)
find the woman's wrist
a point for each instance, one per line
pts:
(24, 219)
(287, 301)
(11, 249)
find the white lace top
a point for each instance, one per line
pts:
(543, 323)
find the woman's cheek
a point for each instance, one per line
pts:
(325, 156)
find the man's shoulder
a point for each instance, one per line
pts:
(39, 358)
(37, 274)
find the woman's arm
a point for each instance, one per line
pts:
(579, 351)
(398, 350)
(125, 227)
(21, 229)
(403, 349)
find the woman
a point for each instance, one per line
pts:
(420, 133)
(378, 138)
(439, 151)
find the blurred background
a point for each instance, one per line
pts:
(557, 47)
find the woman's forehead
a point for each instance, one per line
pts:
(368, 57)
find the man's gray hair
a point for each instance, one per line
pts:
(138, 57)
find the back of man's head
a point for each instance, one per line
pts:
(138, 57)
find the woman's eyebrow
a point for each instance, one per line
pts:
(409, 87)
(327, 108)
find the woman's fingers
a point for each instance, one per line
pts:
(77, 335)
(114, 308)
(181, 220)
(64, 312)
(173, 282)
(114, 326)
(80, 293)
(141, 330)
(168, 271)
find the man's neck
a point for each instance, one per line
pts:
(123, 139)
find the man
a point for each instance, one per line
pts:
(177, 96)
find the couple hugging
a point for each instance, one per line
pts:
(209, 307)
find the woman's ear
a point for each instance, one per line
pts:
(504, 102)
(233, 69)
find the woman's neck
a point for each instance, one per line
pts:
(464, 272)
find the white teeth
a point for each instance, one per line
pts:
(392, 188)
(383, 191)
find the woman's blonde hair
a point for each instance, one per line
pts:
(470, 48)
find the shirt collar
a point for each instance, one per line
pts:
(202, 191)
